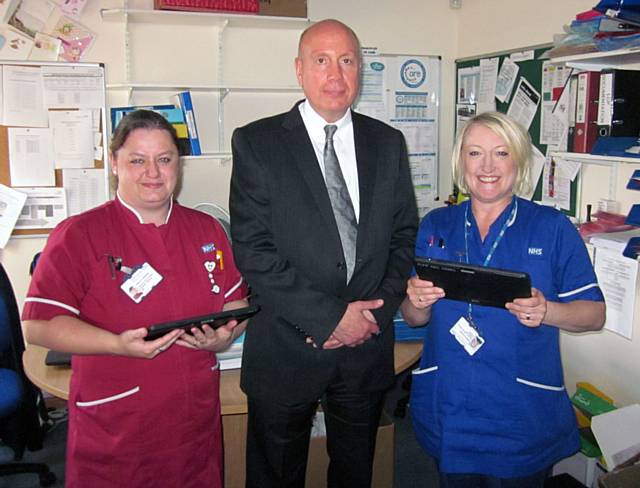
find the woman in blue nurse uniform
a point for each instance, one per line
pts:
(488, 400)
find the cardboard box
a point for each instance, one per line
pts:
(382, 462)
(283, 8)
(618, 434)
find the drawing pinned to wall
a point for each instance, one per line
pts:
(76, 39)
(71, 8)
(31, 16)
(45, 48)
(13, 44)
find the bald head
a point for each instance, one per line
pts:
(327, 26)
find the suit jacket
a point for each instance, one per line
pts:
(286, 243)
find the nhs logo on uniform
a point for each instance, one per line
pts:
(535, 251)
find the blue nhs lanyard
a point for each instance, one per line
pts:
(486, 261)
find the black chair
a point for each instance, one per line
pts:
(20, 421)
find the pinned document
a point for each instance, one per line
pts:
(11, 203)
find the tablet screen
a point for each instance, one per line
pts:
(213, 320)
(480, 285)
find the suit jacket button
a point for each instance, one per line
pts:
(341, 265)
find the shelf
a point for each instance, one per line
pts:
(596, 61)
(214, 87)
(595, 159)
(203, 18)
(211, 155)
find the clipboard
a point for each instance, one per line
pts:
(479, 285)
(213, 320)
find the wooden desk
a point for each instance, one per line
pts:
(55, 380)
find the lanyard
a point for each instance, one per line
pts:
(506, 224)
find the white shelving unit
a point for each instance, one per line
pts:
(612, 162)
(221, 22)
(202, 18)
(597, 61)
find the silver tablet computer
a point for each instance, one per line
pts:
(479, 285)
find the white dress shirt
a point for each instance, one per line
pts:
(343, 144)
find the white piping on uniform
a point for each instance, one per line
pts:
(577, 290)
(425, 370)
(233, 288)
(540, 385)
(109, 399)
(53, 302)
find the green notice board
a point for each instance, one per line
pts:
(531, 70)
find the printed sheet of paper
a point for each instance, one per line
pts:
(617, 277)
(468, 84)
(372, 100)
(85, 189)
(554, 116)
(537, 164)
(524, 104)
(72, 138)
(44, 209)
(464, 112)
(11, 203)
(22, 97)
(31, 157)
(79, 87)
(506, 79)
(487, 90)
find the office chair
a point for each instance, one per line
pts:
(19, 421)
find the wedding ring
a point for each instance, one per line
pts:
(528, 317)
(420, 299)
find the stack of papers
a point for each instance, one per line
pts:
(232, 357)
(614, 241)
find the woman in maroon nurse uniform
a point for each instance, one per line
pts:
(141, 413)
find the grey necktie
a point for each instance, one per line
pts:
(340, 201)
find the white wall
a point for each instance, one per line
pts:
(178, 54)
(173, 54)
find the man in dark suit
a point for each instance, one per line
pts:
(323, 222)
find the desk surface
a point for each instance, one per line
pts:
(55, 379)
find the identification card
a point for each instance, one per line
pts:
(467, 336)
(141, 282)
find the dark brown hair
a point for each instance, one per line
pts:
(140, 119)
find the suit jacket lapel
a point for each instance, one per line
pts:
(367, 168)
(302, 152)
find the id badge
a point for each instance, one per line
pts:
(467, 336)
(141, 282)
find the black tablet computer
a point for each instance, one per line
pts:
(480, 285)
(213, 320)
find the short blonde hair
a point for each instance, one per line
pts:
(516, 139)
